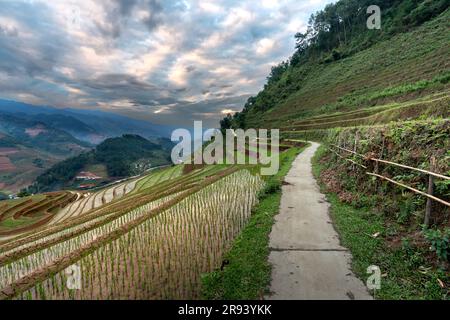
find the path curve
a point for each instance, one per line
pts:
(308, 261)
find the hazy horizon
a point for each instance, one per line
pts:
(169, 62)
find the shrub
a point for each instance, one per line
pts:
(23, 193)
(272, 186)
(440, 242)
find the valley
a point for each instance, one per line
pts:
(33, 139)
(357, 208)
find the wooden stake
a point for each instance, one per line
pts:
(430, 192)
(355, 148)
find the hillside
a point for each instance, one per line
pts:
(34, 138)
(167, 227)
(39, 135)
(28, 147)
(358, 208)
(111, 160)
(379, 103)
(403, 77)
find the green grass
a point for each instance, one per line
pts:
(406, 273)
(248, 274)
(401, 69)
(434, 105)
(13, 223)
(8, 223)
(356, 99)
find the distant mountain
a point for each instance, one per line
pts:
(34, 138)
(92, 126)
(71, 125)
(21, 163)
(113, 159)
(28, 146)
(39, 135)
(7, 141)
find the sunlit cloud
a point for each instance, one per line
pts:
(227, 111)
(171, 61)
(264, 46)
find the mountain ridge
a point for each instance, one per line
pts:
(35, 138)
(113, 159)
(105, 124)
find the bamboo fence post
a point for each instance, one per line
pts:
(429, 206)
(380, 156)
(355, 148)
(377, 164)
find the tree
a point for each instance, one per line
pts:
(301, 42)
(277, 72)
(337, 31)
(23, 193)
(226, 122)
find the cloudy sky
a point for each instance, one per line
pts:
(167, 61)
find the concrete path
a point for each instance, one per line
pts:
(308, 261)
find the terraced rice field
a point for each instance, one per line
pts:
(147, 238)
(91, 201)
(19, 216)
(435, 104)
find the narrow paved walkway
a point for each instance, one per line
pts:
(308, 260)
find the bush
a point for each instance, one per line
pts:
(272, 186)
(440, 242)
(336, 54)
(23, 193)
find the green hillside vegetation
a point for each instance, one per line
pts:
(37, 135)
(384, 94)
(122, 157)
(192, 231)
(398, 67)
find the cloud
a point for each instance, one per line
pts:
(264, 46)
(126, 6)
(168, 61)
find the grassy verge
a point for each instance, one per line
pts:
(247, 275)
(406, 273)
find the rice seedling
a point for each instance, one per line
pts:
(19, 268)
(152, 254)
